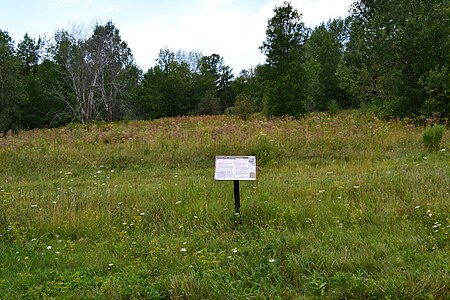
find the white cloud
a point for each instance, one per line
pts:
(230, 33)
(318, 11)
(216, 3)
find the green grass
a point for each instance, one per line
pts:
(346, 206)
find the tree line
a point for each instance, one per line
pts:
(391, 57)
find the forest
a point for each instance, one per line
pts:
(389, 57)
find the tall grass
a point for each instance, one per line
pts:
(344, 207)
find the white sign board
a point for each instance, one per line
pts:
(235, 168)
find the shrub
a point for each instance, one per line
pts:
(265, 149)
(432, 137)
(243, 108)
(333, 107)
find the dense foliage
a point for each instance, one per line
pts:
(388, 56)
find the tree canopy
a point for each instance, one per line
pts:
(388, 56)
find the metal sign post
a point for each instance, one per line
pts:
(235, 168)
(237, 197)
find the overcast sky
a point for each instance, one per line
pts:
(234, 29)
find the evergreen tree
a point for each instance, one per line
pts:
(285, 74)
(12, 94)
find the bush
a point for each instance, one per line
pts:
(265, 149)
(244, 107)
(333, 107)
(432, 137)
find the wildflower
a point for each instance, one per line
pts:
(443, 150)
(195, 217)
(389, 172)
(110, 265)
(271, 260)
(356, 186)
(99, 171)
(417, 206)
(178, 202)
(184, 243)
(142, 213)
(112, 171)
(57, 252)
(339, 197)
(330, 173)
(183, 250)
(321, 191)
(32, 240)
(49, 247)
(229, 256)
(425, 158)
(33, 205)
(234, 250)
(181, 226)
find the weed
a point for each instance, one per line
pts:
(432, 137)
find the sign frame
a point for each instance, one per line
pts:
(233, 168)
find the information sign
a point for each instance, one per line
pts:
(235, 168)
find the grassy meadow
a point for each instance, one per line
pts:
(344, 207)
